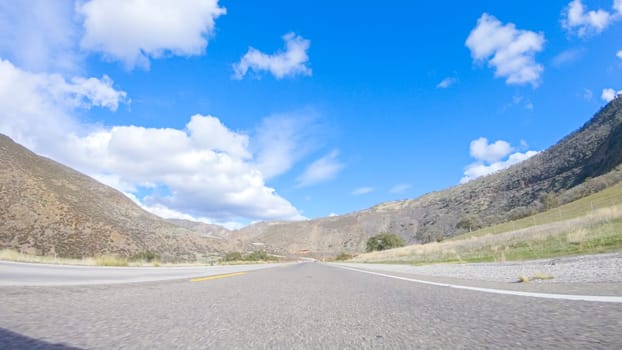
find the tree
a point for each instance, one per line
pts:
(548, 200)
(384, 241)
(469, 223)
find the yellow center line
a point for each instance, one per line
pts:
(215, 277)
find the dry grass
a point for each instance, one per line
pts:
(13, 255)
(108, 260)
(536, 277)
(599, 231)
(104, 260)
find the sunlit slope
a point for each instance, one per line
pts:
(589, 225)
(584, 162)
(49, 209)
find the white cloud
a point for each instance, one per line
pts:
(284, 139)
(447, 82)
(206, 168)
(205, 176)
(509, 50)
(321, 170)
(477, 169)
(492, 157)
(133, 31)
(400, 188)
(481, 150)
(609, 94)
(39, 35)
(362, 190)
(209, 133)
(291, 62)
(35, 108)
(619, 53)
(576, 19)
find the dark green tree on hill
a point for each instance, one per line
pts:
(384, 241)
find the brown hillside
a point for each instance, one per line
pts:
(49, 209)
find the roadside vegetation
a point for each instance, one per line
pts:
(253, 257)
(147, 258)
(144, 259)
(343, 256)
(589, 225)
(384, 241)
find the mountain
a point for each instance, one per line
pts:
(584, 162)
(49, 209)
(207, 230)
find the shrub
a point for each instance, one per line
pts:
(344, 256)
(469, 223)
(384, 241)
(148, 256)
(233, 256)
(260, 255)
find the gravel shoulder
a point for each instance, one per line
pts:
(599, 274)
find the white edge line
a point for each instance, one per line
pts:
(593, 298)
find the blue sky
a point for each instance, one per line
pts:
(233, 112)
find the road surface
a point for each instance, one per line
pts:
(298, 306)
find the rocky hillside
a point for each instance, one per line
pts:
(584, 162)
(49, 209)
(207, 230)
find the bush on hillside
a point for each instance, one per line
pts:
(469, 223)
(384, 241)
(148, 256)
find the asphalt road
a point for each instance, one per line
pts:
(298, 306)
(24, 274)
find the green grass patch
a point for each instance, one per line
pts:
(577, 239)
(606, 198)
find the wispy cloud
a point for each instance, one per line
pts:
(282, 140)
(588, 94)
(291, 62)
(509, 50)
(566, 57)
(362, 190)
(400, 188)
(447, 82)
(321, 170)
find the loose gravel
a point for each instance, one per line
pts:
(600, 268)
